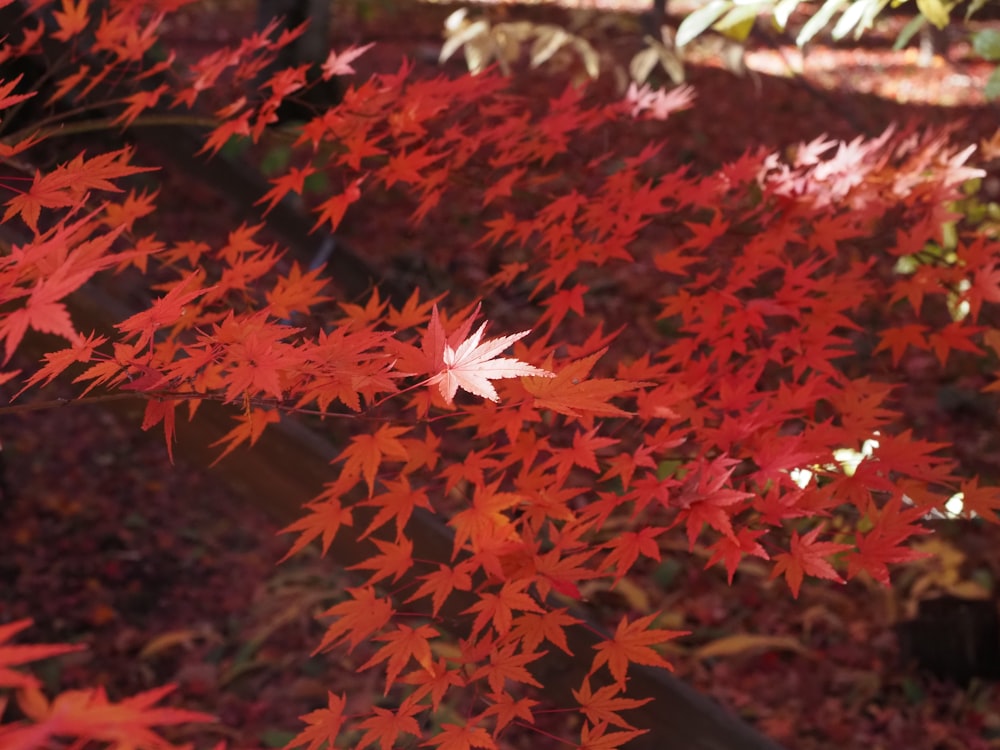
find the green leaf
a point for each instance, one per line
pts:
(986, 44)
(276, 160)
(911, 28)
(934, 11)
(819, 21)
(666, 572)
(974, 7)
(992, 89)
(317, 183)
(276, 738)
(700, 20)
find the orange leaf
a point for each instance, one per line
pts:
(72, 21)
(631, 644)
(572, 394)
(364, 455)
(385, 726)
(357, 618)
(462, 737)
(404, 643)
(324, 725)
(14, 655)
(603, 706)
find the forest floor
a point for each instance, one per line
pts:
(167, 576)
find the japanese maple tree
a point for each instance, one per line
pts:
(556, 430)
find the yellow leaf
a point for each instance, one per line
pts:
(744, 643)
(169, 640)
(934, 11)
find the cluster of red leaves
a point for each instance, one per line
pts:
(565, 463)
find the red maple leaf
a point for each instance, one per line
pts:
(334, 207)
(631, 644)
(385, 725)
(806, 556)
(403, 643)
(604, 705)
(324, 724)
(11, 656)
(461, 737)
(572, 393)
(365, 453)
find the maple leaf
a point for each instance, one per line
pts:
(250, 426)
(396, 504)
(626, 548)
(164, 311)
(631, 643)
(899, 338)
(325, 517)
(334, 207)
(293, 181)
(485, 518)
(807, 556)
(473, 363)
(506, 664)
(439, 584)
(357, 618)
(980, 501)
(570, 392)
(705, 499)
(7, 96)
(404, 643)
(532, 628)
(730, 550)
(604, 705)
(395, 560)
(14, 655)
(324, 725)
(507, 708)
(386, 725)
(89, 714)
(65, 186)
(72, 20)
(296, 292)
(461, 737)
(340, 64)
(162, 410)
(598, 738)
(364, 455)
(435, 680)
(498, 608)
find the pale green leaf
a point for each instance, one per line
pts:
(783, 11)
(908, 32)
(974, 7)
(462, 36)
(986, 43)
(819, 21)
(591, 60)
(851, 18)
(642, 64)
(701, 19)
(549, 40)
(992, 88)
